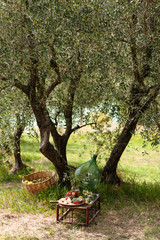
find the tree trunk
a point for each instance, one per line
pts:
(55, 153)
(109, 173)
(19, 165)
(56, 156)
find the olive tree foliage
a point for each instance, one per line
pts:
(15, 116)
(50, 53)
(68, 55)
(5, 129)
(134, 72)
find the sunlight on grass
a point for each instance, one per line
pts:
(79, 150)
(140, 173)
(138, 161)
(30, 148)
(141, 163)
(16, 198)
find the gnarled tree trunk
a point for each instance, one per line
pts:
(55, 153)
(18, 165)
(109, 173)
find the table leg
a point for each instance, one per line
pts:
(57, 213)
(87, 217)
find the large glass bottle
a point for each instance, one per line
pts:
(88, 174)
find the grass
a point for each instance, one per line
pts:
(139, 194)
(5, 176)
(137, 162)
(141, 163)
(135, 168)
(17, 199)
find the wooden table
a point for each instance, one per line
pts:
(82, 215)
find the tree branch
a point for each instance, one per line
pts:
(21, 86)
(79, 127)
(17, 84)
(34, 80)
(49, 90)
(54, 131)
(134, 52)
(152, 97)
(148, 48)
(53, 62)
(71, 93)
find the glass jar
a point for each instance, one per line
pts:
(75, 192)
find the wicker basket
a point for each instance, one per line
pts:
(37, 187)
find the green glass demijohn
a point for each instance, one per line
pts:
(88, 174)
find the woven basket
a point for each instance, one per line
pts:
(37, 187)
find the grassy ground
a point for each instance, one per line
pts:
(141, 163)
(137, 162)
(130, 211)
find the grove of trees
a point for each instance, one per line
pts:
(65, 56)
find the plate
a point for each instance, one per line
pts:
(70, 204)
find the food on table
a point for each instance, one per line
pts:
(83, 197)
(77, 200)
(68, 194)
(62, 199)
(74, 192)
(86, 202)
(69, 200)
(66, 200)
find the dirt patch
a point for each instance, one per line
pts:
(109, 225)
(23, 224)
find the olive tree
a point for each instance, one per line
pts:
(49, 55)
(15, 115)
(134, 71)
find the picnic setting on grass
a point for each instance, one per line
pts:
(80, 120)
(86, 176)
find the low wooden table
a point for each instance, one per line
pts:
(82, 215)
